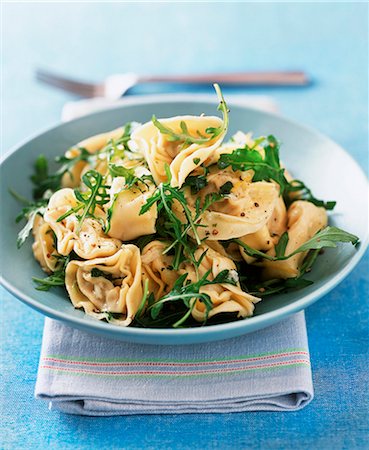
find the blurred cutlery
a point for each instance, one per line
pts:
(117, 85)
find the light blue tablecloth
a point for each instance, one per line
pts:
(94, 40)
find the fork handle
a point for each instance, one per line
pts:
(288, 78)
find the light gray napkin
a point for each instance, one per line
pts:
(268, 370)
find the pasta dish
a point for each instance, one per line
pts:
(168, 224)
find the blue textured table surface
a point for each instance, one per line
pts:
(93, 40)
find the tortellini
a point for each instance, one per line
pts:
(245, 210)
(126, 223)
(268, 236)
(43, 246)
(160, 151)
(157, 268)
(93, 144)
(90, 242)
(226, 298)
(304, 221)
(107, 285)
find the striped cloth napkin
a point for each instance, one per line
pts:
(268, 370)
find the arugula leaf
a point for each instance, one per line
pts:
(164, 196)
(309, 261)
(117, 148)
(43, 181)
(304, 193)
(226, 188)
(196, 183)
(173, 228)
(95, 272)
(120, 171)
(265, 168)
(126, 136)
(185, 137)
(55, 279)
(30, 216)
(328, 237)
(95, 195)
(189, 293)
(277, 286)
(280, 248)
(144, 299)
(109, 214)
(29, 213)
(41, 170)
(268, 168)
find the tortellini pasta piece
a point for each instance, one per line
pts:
(277, 224)
(90, 242)
(225, 297)
(230, 250)
(92, 144)
(126, 223)
(43, 246)
(260, 240)
(245, 210)
(157, 268)
(268, 236)
(107, 285)
(304, 221)
(160, 151)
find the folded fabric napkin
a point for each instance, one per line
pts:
(268, 370)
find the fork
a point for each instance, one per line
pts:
(115, 86)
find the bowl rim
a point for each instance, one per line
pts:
(206, 332)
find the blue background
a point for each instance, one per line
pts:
(94, 40)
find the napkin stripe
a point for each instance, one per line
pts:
(121, 363)
(203, 372)
(156, 362)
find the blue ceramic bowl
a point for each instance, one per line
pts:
(322, 164)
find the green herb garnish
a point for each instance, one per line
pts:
(226, 188)
(196, 183)
(95, 195)
(29, 213)
(43, 181)
(280, 248)
(55, 279)
(277, 285)
(304, 193)
(189, 293)
(175, 230)
(186, 138)
(95, 272)
(120, 171)
(265, 168)
(326, 238)
(268, 168)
